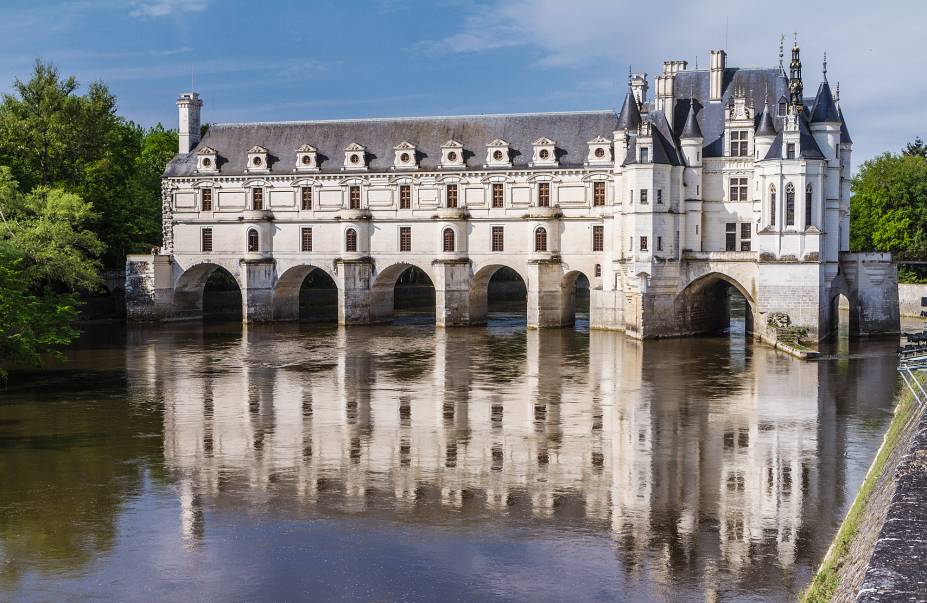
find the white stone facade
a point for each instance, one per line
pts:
(729, 177)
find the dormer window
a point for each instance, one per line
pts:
(544, 152)
(452, 154)
(645, 155)
(740, 140)
(355, 157)
(257, 159)
(599, 151)
(783, 107)
(207, 160)
(306, 159)
(497, 154)
(405, 156)
(790, 150)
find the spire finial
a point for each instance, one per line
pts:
(781, 52)
(629, 74)
(766, 96)
(837, 96)
(825, 65)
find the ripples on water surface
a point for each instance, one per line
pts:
(380, 463)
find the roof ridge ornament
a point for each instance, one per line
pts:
(825, 65)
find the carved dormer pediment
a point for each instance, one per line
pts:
(355, 157)
(405, 156)
(600, 151)
(207, 160)
(257, 160)
(306, 158)
(452, 154)
(497, 153)
(544, 152)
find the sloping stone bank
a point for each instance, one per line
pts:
(844, 568)
(897, 570)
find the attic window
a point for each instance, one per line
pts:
(497, 155)
(257, 161)
(452, 156)
(307, 160)
(207, 161)
(544, 154)
(600, 153)
(355, 158)
(645, 155)
(404, 158)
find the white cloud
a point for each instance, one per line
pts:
(152, 9)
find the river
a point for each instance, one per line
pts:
(222, 462)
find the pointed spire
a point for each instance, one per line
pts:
(767, 126)
(824, 109)
(691, 128)
(796, 89)
(630, 116)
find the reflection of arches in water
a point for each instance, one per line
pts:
(715, 303)
(843, 319)
(402, 287)
(497, 289)
(574, 288)
(209, 291)
(306, 293)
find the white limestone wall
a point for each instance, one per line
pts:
(909, 299)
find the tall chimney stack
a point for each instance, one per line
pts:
(189, 105)
(717, 64)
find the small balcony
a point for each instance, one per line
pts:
(257, 215)
(250, 257)
(452, 213)
(543, 213)
(354, 215)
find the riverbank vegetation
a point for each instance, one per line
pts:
(888, 211)
(827, 580)
(79, 189)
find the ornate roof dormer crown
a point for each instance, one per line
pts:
(306, 158)
(207, 160)
(405, 158)
(498, 154)
(544, 152)
(452, 155)
(257, 160)
(355, 157)
(600, 151)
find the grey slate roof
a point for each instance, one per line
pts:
(665, 150)
(844, 131)
(571, 131)
(711, 115)
(808, 147)
(824, 108)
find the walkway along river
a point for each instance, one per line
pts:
(225, 462)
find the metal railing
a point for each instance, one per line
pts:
(912, 356)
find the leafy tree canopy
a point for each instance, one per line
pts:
(888, 211)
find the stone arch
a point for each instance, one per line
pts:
(568, 295)
(829, 317)
(189, 287)
(479, 289)
(382, 291)
(702, 305)
(288, 287)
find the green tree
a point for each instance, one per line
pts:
(916, 148)
(47, 254)
(888, 211)
(52, 136)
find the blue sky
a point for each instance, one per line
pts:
(276, 60)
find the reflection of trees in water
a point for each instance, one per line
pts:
(68, 469)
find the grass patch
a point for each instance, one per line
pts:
(826, 580)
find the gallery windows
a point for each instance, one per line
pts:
(544, 194)
(405, 238)
(253, 241)
(257, 199)
(306, 239)
(498, 238)
(350, 240)
(739, 143)
(772, 204)
(448, 240)
(206, 204)
(809, 198)
(540, 239)
(497, 195)
(738, 189)
(451, 196)
(790, 204)
(354, 197)
(206, 239)
(306, 198)
(598, 193)
(405, 196)
(598, 238)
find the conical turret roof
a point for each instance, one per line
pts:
(630, 116)
(767, 126)
(691, 129)
(824, 108)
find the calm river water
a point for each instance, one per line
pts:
(216, 462)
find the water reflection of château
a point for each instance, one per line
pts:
(699, 453)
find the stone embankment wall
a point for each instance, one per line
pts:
(897, 570)
(866, 561)
(909, 299)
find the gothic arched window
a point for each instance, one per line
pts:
(772, 204)
(448, 237)
(350, 240)
(809, 196)
(790, 204)
(253, 241)
(540, 239)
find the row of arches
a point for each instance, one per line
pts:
(309, 294)
(790, 204)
